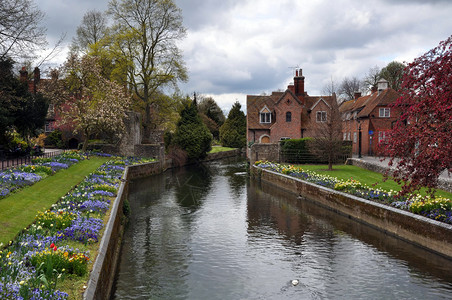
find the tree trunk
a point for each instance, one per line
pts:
(146, 124)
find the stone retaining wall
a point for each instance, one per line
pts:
(426, 233)
(101, 279)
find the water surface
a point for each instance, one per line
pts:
(207, 232)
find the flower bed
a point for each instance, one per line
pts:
(438, 208)
(16, 178)
(55, 246)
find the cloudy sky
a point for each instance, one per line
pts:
(234, 48)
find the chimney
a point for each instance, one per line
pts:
(299, 83)
(37, 74)
(383, 84)
(357, 95)
(23, 75)
(291, 87)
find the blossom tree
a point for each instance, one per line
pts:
(92, 103)
(420, 143)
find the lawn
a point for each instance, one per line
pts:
(18, 210)
(216, 149)
(364, 176)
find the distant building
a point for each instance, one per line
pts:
(370, 115)
(291, 114)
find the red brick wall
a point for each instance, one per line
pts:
(282, 128)
(310, 123)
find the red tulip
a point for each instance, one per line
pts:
(52, 245)
(55, 248)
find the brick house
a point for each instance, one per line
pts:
(370, 116)
(291, 114)
(52, 118)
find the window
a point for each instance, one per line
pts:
(349, 139)
(355, 137)
(385, 112)
(345, 136)
(381, 136)
(321, 116)
(288, 116)
(49, 127)
(265, 115)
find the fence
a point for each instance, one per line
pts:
(305, 157)
(6, 163)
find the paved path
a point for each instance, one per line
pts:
(379, 164)
(378, 161)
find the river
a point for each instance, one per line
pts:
(208, 232)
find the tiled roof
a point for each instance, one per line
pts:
(364, 105)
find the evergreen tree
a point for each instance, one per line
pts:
(191, 134)
(233, 131)
(19, 108)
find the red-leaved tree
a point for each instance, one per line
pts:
(420, 144)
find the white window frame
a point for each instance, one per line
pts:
(355, 137)
(385, 112)
(321, 116)
(265, 116)
(382, 136)
(49, 126)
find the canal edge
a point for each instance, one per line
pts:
(423, 232)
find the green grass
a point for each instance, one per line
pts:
(370, 178)
(19, 210)
(216, 149)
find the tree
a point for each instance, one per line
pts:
(233, 131)
(212, 115)
(19, 108)
(89, 102)
(90, 32)
(372, 77)
(330, 88)
(393, 73)
(20, 32)
(191, 134)
(348, 87)
(420, 143)
(328, 143)
(144, 41)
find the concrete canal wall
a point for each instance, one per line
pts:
(424, 232)
(102, 276)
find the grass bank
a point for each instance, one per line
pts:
(370, 178)
(19, 210)
(216, 149)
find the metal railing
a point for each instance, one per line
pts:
(10, 162)
(305, 157)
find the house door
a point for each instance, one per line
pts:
(265, 140)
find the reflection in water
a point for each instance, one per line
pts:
(205, 232)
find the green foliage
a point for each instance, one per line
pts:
(233, 131)
(393, 73)
(18, 107)
(297, 151)
(192, 134)
(55, 138)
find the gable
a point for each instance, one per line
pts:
(318, 102)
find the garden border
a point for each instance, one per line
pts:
(418, 230)
(102, 276)
(101, 279)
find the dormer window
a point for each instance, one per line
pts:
(265, 115)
